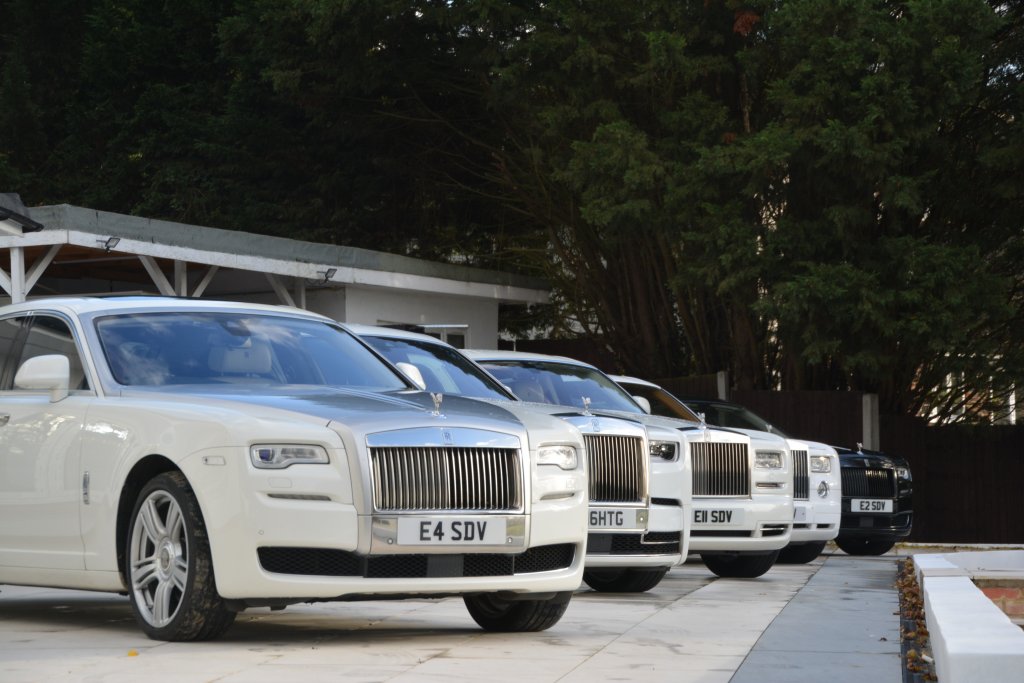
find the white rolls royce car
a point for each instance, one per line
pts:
(204, 457)
(742, 503)
(638, 477)
(817, 492)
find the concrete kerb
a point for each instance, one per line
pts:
(972, 640)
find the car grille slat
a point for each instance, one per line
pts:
(801, 478)
(868, 482)
(446, 478)
(617, 468)
(720, 469)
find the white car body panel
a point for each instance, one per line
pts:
(764, 513)
(817, 518)
(64, 466)
(670, 501)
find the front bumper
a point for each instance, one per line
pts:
(274, 543)
(664, 544)
(815, 521)
(759, 524)
(876, 526)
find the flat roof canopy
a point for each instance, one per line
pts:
(85, 245)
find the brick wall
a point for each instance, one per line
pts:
(1007, 595)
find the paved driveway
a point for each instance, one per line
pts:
(833, 619)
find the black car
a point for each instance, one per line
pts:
(878, 493)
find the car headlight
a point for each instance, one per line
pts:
(821, 464)
(768, 460)
(666, 450)
(903, 473)
(278, 456)
(562, 456)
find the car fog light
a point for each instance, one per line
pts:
(823, 489)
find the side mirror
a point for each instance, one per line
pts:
(644, 403)
(413, 373)
(45, 373)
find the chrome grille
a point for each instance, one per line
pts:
(869, 483)
(801, 481)
(446, 478)
(618, 468)
(720, 469)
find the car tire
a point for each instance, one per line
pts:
(801, 553)
(168, 566)
(865, 546)
(629, 580)
(494, 613)
(731, 566)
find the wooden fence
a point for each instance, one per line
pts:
(968, 479)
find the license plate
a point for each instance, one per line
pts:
(715, 517)
(869, 505)
(616, 519)
(799, 514)
(450, 531)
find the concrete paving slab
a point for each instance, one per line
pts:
(842, 626)
(692, 627)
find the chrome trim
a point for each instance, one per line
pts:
(457, 437)
(801, 478)
(434, 478)
(720, 469)
(618, 469)
(868, 482)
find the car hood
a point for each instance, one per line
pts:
(371, 411)
(868, 459)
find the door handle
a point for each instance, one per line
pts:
(3, 419)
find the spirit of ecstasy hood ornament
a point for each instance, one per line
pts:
(586, 405)
(703, 425)
(437, 404)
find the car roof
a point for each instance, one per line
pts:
(101, 304)
(626, 379)
(392, 332)
(481, 355)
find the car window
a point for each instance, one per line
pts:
(662, 402)
(9, 330)
(191, 347)
(561, 384)
(730, 415)
(443, 369)
(49, 335)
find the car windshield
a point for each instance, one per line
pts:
(731, 415)
(443, 369)
(201, 347)
(662, 402)
(561, 384)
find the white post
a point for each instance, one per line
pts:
(17, 275)
(180, 278)
(722, 377)
(869, 420)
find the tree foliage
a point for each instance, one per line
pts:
(812, 194)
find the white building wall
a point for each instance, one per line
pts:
(379, 306)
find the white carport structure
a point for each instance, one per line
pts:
(67, 250)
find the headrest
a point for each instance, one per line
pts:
(252, 360)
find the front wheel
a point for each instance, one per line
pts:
(739, 566)
(865, 546)
(629, 580)
(168, 565)
(494, 613)
(802, 553)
